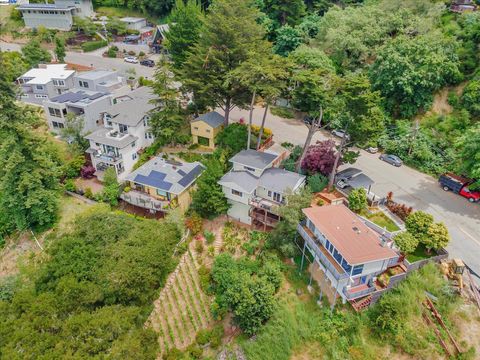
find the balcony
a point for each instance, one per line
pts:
(321, 253)
(145, 201)
(264, 217)
(109, 157)
(355, 292)
(261, 203)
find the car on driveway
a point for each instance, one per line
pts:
(147, 62)
(372, 150)
(131, 59)
(391, 159)
(341, 134)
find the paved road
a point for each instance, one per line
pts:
(94, 59)
(409, 186)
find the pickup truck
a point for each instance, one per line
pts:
(459, 185)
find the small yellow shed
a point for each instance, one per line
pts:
(206, 127)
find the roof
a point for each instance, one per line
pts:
(241, 179)
(133, 107)
(253, 158)
(43, 75)
(356, 242)
(95, 74)
(131, 19)
(347, 173)
(45, 7)
(280, 180)
(102, 136)
(212, 118)
(80, 97)
(170, 176)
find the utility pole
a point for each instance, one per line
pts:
(414, 137)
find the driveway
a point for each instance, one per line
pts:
(409, 186)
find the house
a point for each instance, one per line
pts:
(89, 105)
(134, 23)
(161, 185)
(206, 127)
(125, 132)
(56, 16)
(45, 82)
(462, 6)
(99, 80)
(255, 189)
(348, 255)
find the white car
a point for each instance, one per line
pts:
(131, 59)
(341, 134)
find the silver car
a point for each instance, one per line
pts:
(391, 159)
(341, 134)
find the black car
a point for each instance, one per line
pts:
(147, 62)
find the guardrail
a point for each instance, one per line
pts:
(357, 294)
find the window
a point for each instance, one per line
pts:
(346, 266)
(249, 168)
(83, 84)
(208, 130)
(40, 96)
(195, 127)
(39, 87)
(145, 121)
(269, 193)
(148, 135)
(134, 156)
(122, 128)
(58, 82)
(133, 144)
(277, 197)
(237, 193)
(54, 112)
(57, 125)
(357, 269)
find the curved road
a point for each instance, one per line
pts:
(409, 186)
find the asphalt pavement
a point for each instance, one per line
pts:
(408, 185)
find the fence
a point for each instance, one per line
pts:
(441, 254)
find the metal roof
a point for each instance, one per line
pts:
(254, 159)
(212, 118)
(280, 180)
(242, 180)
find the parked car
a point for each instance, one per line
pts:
(131, 59)
(372, 150)
(342, 177)
(391, 159)
(341, 134)
(147, 62)
(459, 185)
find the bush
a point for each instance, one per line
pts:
(317, 182)
(87, 172)
(209, 237)
(199, 246)
(203, 337)
(418, 224)
(283, 112)
(406, 242)
(70, 185)
(141, 53)
(73, 167)
(357, 200)
(88, 193)
(132, 53)
(93, 45)
(111, 53)
(194, 223)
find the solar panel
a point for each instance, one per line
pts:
(155, 179)
(187, 179)
(181, 172)
(95, 96)
(77, 97)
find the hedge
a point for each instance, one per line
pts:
(93, 45)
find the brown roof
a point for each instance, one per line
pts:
(356, 242)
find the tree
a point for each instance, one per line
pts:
(73, 132)
(34, 54)
(86, 25)
(184, 29)
(317, 182)
(406, 242)
(167, 120)
(287, 40)
(228, 33)
(111, 187)
(284, 12)
(469, 154)
(437, 236)
(116, 26)
(232, 138)
(357, 200)
(471, 97)
(418, 223)
(29, 177)
(12, 64)
(60, 49)
(209, 200)
(320, 157)
(409, 70)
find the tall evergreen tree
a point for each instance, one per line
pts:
(60, 49)
(230, 30)
(185, 22)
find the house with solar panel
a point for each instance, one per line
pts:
(206, 127)
(124, 133)
(255, 188)
(160, 185)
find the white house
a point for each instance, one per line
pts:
(125, 132)
(99, 80)
(45, 82)
(255, 189)
(348, 253)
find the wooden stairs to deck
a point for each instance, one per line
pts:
(360, 304)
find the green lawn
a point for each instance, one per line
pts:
(381, 220)
(69, 208)
(420, 253)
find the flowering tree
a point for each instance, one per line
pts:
(320, 157)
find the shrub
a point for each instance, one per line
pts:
(194, 223)
(283, 112)
(132, 53)
(209, 237)
(70, 185)
(93, 45)
(141, 53)
(216, 336)
(203, 337)
(317, 182)
(418, 224)
(199, 246)
(437, 236)
(406, 242)
(320, 157)
(88, 193)
(73, 167)
(111, 53)
(87, 172)
(357, 200)
(127, 189)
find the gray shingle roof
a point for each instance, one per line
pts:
(173, 177)
(212, 118)
(242, 179)
(254, 159)
(131, 112)
(280, 180)
(100, 136)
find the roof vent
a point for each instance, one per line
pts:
(356, 229)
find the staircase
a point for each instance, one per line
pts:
(360, 304)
